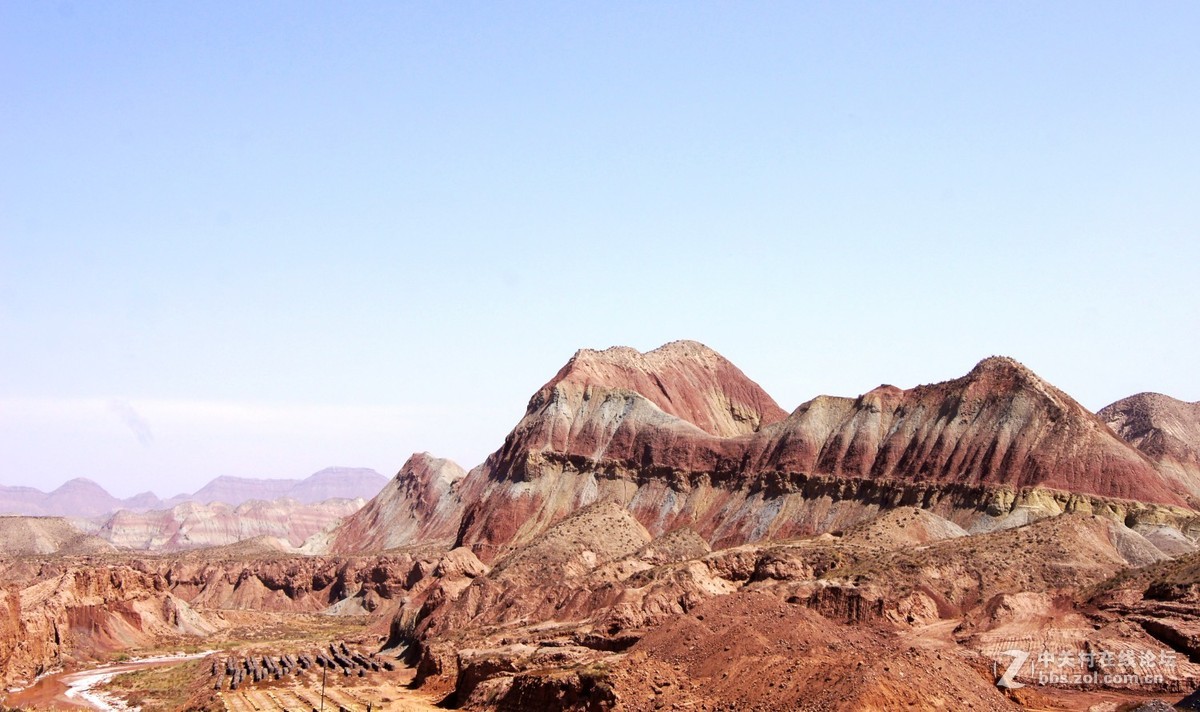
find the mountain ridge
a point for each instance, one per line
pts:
(614, 424)
(83, 497)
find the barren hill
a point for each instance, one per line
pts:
(1165, 429)
(419, 504)
(23, 536)
(330, 483)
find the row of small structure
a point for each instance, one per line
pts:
(337, 658)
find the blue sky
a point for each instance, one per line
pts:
(259, 239)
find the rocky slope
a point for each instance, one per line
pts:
(55, 615)
(682, 438)
(419, 504)
(881, 618)
(27, 536)
(1165, 429)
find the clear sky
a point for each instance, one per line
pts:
(258, 239)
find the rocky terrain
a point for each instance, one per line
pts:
(657, 533)
(68, 609)
(419, 505)
(1165, 429)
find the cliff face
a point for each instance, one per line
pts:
(1165, 429)
(78, 612)
(419, 505)
(292, 584)
(682, 438)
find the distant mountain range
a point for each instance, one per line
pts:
(82, 497)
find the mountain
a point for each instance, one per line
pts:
(338, 483)
(418, 505)
(1165, 429)
(192, 525)
(683, 438)
(84, 498)
(684, 379)
(330, 483)
(235, 490)
(142, 501)
(22, 501)
(79, 497)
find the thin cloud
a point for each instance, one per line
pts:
(133, 420)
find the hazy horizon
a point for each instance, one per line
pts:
(259, 240)
(165, 496)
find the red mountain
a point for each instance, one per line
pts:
(419, 505)
(682, 437)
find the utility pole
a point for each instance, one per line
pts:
(323, 672)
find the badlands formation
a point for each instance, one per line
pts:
(225, 511)
(657, 533)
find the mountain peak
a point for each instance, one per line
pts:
(1005, 365)
(81, 486)
(78, 483)
(418, 504)
(684, 379)
(673, 351)
(428, 467)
